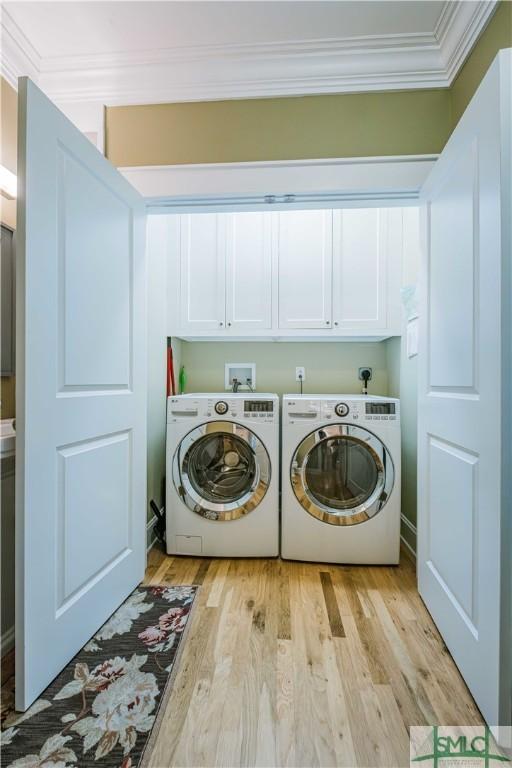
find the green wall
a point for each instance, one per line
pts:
(330, 366)
(403, 381)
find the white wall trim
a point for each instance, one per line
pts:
(7, 641)
(458, 32)
(17, 56)
(413, 530)
(282, 183)
(408, 547)
(150, 533)
(235, 71)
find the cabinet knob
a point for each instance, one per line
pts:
(335, 322)
(221, 324)
(229, 324)
(327, 322)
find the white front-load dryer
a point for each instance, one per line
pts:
(341, 479)
(222, 488)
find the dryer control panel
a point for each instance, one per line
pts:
(349, 409)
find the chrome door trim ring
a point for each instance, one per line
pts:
(362, 512)
(231, 510)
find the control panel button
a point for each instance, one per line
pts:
(221, 407)
(341, 409)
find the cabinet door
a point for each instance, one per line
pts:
(248, 271)
(202, 257)
(359, 268)
(304, 243)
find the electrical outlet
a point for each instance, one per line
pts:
(362, 370)
(300, 373)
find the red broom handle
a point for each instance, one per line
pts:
(171, 387)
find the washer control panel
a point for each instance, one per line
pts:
(259, 409)
(241, 409)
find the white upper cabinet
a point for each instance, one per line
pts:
(248, 271)
(202, 272)
(304, 248)
(359, 268)
(291, 274)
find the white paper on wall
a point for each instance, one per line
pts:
(410, 301)
(412, 337)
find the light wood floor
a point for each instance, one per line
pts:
(294, 664)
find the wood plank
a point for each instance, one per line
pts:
(218, 584)
(333, 612)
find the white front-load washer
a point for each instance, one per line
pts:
(222, 489)
(341, 479)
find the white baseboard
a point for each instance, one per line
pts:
(413, 530)
(150, 532)
(7, 641)
(408, 547)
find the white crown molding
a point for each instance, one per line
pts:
(459, 27)
(344, 65)
(17, 55)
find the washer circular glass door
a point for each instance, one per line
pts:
(342, 474)
(221, 470)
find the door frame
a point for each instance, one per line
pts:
(282, 185)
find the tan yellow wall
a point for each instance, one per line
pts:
(497, 35)
(348, 125)
(8, 158)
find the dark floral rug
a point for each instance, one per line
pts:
(102, 707)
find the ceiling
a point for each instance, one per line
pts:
(106, 27)
(142, 52)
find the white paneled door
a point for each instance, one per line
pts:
(81, 392)
(464, 499)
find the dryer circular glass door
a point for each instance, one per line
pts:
(221, 470)
(342, 474)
